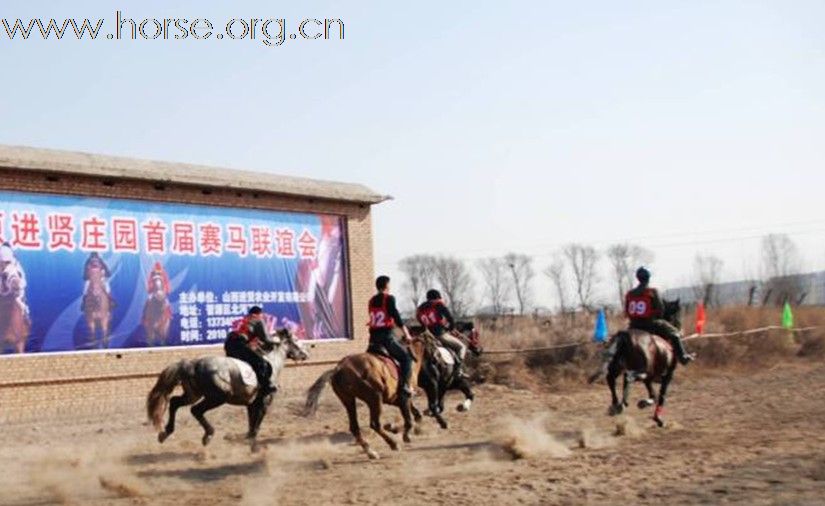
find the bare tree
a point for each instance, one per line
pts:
(781, 264)
(521, 268)
(707, 270)
(497, 283)
(582, 260)
(456, 283)
(420, 273)
(625, 259)
(556, 273)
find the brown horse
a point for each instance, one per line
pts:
(97, 305)
(369, 377)
(643, 357)
(157, 313)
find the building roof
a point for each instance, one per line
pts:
(87, 164)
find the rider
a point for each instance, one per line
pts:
(10, 268)
(434, 315)
(95, 262)
(158, 272)
(245, 331)
(384, 317)
(645, 309)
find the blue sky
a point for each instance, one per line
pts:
(687, 126)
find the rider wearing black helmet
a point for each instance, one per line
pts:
(644, 308)
(434, 315)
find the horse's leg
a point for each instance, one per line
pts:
(352, 414)
(615, 406)
(259, 409)
(431, 388)
(405, 413)
(651, 395)
(626, 384)
(464, 386)
(375, 404)
(105, 329)
(175, 403)
(660, 407)
(199, 409)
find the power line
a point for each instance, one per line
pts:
(663, 245)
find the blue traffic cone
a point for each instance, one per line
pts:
(600, 334)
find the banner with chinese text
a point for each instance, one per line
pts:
(82, 273)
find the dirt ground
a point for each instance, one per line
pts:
(746, 437)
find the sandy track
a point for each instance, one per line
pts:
(747, 438)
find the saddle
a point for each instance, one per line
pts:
(247, 373)
(382, 353)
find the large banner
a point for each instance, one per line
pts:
(85, 273)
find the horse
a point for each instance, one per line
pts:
(646, 357)
(371, 378)
(97, 307)
(440, 374)
(157, 313)
(218, 381)
(15, 325)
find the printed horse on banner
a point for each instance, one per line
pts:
(157, 311)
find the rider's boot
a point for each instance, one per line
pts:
(459, 366)
(404, 388)
(683, 356)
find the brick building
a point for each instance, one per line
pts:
(78, 383)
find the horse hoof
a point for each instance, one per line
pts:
(372, 454)
(407, 438)
(645, 403)
(206, 439)
(615, 409)
(162, 436)
(417, 430)
(254, 447)
(659, 422)
(443, 424)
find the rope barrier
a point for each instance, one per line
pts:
(120, 377)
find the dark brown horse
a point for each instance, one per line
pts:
(369, 377)
(440, 373)
(643, 357)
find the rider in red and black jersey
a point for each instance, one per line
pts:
(645, 309)
(434, 315)
(384, 317)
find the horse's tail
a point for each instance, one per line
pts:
(314, 392)
(614, 350)
(158, 398)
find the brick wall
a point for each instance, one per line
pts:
(90, 383)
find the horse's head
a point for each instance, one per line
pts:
(469, 332)
(424, 346)
(673, 312)
(294, 349)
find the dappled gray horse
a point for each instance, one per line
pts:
(218, 381)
